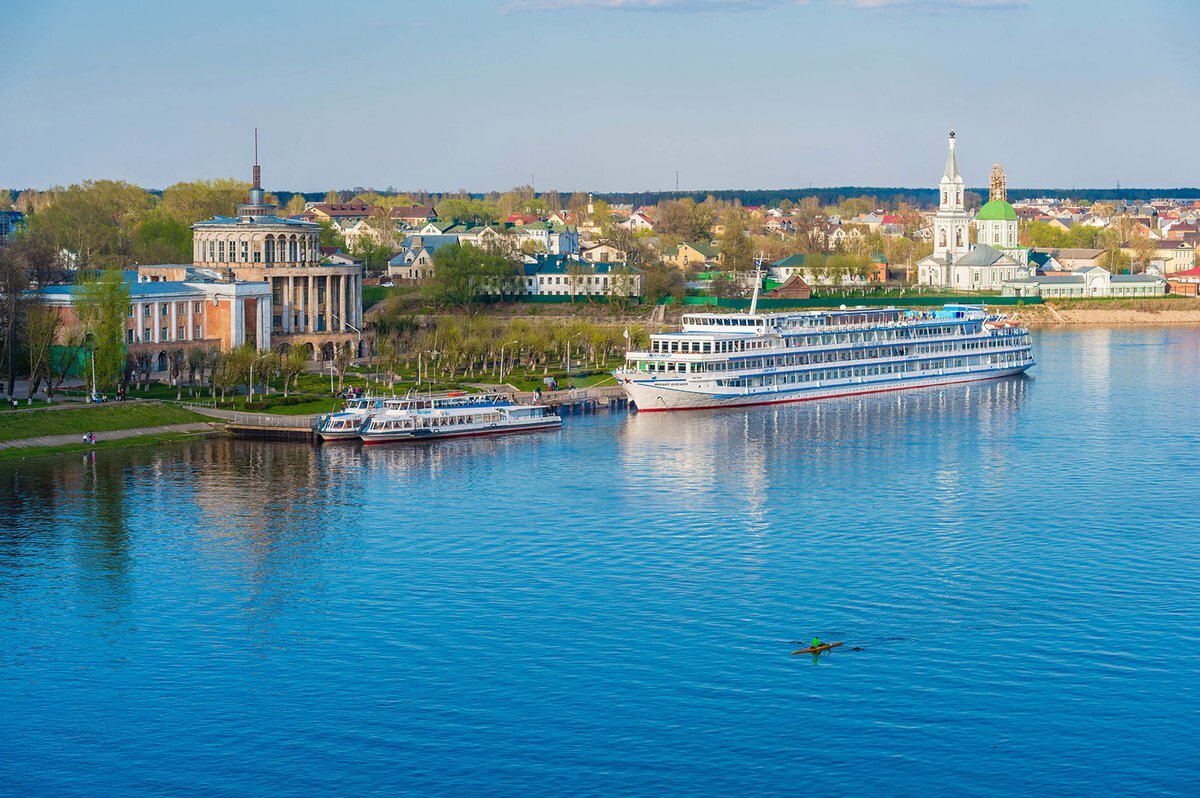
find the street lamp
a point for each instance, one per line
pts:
(502, 359)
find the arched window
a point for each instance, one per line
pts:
(958, 238)
(942, 240)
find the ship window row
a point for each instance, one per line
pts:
(996, 360)
(834, 356)
(686, 346)
(447, 421)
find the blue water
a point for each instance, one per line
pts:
(609, 609)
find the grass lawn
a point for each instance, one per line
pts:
(92, 418)
(124, 443)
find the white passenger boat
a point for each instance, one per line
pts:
(740, 359)
(345, 423)
(396, 425)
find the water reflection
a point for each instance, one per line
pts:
(692, 451)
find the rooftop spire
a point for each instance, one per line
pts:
(256, 173)
(951, 161)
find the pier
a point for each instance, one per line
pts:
(576, 401)
(262, 426)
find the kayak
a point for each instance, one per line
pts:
(818, 649)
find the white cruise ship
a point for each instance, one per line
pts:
(739, 359)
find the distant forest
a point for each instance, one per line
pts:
(920, 197)
(912, 196)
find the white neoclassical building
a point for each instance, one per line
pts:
(311, 302)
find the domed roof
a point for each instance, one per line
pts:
(996, 211)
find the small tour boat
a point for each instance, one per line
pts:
(391, 426)
(345, 423)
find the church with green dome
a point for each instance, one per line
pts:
(996, 222)
(995, 256)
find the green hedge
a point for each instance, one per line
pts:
(281, 401)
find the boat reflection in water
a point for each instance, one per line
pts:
(689, 453)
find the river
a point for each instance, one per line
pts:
(610, 608)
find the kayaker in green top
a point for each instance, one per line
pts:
(816, 641)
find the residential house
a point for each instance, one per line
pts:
(1176, 255)
(1072, 259)
(793, 288)
(560, 275)
(553, 239)
(11, 224)
(1185, 283)
(413, 216)
(638, 222)
(335, 256)
(688, 255)
(348, 211)
(600, 252)
(414, 262)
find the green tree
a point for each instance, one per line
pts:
(685, 220)
(331, 236)
(291, 365)
(94, 219)
(295, 205)
(467, 211)
(461, 272)
(161, 239)
(737, 252)
(638, 253)
(660, 281)
(196, 200)
(104, 309)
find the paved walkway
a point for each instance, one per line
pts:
(111, 435)
(256, 419)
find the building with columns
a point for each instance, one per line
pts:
(312, 303)
(164, 315)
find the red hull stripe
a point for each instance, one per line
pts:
(815, 398)
(439, 437)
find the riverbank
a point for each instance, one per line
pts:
(1100, 313)
(120, 439)
(33, 433)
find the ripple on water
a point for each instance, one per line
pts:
(611, 608)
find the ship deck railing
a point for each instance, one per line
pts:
(1009, 332)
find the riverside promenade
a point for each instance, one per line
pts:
(110, 435)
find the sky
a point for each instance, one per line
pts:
(601, 95)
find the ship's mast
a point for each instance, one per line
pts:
(757, 282)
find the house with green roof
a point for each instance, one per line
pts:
(689, 254)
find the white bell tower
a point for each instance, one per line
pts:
(951, 224)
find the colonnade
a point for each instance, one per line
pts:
(307, 299)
